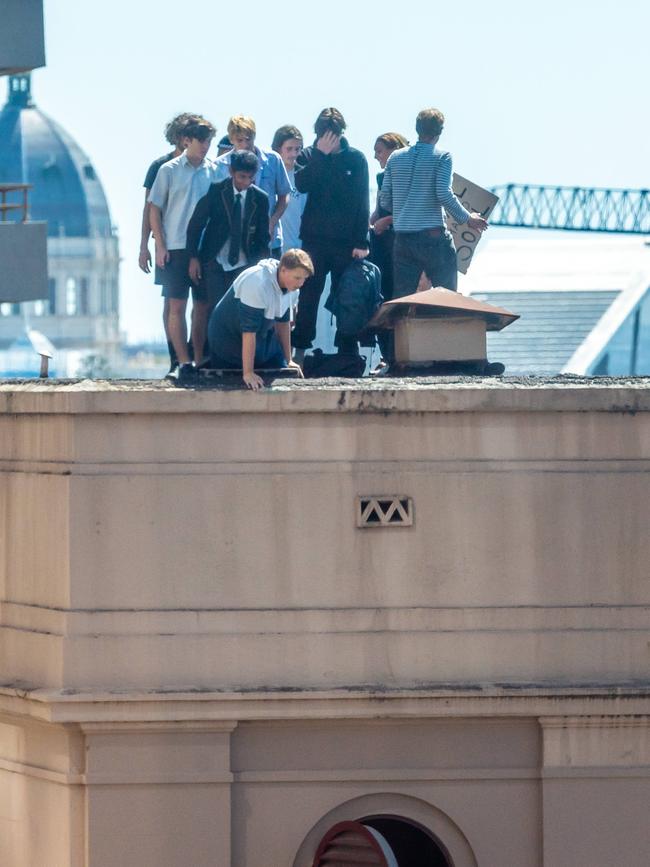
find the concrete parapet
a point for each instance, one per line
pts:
(204, 649)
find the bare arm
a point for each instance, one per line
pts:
(155, 218)
(280, 208)
(283, 331)
(248, 344)
(144, 259)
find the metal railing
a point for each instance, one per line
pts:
(572, 208)
(6, 207)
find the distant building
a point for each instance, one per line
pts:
(584, 304)
(81, 313)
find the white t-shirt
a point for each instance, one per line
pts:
(177, 188)
(258, 287)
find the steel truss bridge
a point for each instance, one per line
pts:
(576, 209)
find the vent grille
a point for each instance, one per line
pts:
(384, 511)
(348, 844)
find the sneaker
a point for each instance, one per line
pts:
(186, 374)
(172, 372)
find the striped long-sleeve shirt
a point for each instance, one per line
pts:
(417, 186)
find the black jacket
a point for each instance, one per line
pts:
(209, 227)
(337, 206)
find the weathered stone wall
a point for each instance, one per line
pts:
(195, 626)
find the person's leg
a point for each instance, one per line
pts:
(305, 330)
(200, 313)
(212, 288)
(381, 254)
(176, 289)
(441, 264)
(340, 256)
(229, 278)
(173, 358)
(407, 264)
(178, 328)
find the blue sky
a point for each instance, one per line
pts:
(539, 93)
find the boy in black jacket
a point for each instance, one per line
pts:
(229, 229)
(334, 227)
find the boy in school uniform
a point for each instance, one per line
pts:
(250, 326)
(229, 229)
(179, 185)
(175, 135)
(271, 174)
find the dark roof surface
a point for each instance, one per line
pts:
(552, 326)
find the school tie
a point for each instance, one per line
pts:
(235, 236)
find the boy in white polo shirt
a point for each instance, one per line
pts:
(179, 185)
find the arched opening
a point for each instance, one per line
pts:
(382, 841)
(436, 835)
(411, 844)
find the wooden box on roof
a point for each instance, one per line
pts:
(438, 325)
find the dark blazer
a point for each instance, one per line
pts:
(209, 227)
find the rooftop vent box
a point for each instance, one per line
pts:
(438, 326)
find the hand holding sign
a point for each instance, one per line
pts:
(480, 203)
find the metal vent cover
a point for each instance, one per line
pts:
(390, 510)
(351, 843)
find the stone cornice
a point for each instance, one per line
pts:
(363, 704)
(421, 395)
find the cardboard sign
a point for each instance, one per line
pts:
(478, 201)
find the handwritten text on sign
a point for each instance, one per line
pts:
(477, 201)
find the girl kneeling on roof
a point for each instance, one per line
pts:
(250, 328)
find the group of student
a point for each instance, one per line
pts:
(254, 234)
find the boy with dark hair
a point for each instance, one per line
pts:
(179, 185)
(175, 135)
(334, 227)
(229, 229)
(271, 175)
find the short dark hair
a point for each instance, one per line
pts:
(330, 120)
(429, 122)
(284, 133)
(200, 130)
(244, 161)
(175, 129)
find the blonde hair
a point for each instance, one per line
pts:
(240, 125)
(297, 258)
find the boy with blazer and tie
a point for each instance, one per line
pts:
(229, 229)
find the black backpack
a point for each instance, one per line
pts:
(355, 298)
(325, 364)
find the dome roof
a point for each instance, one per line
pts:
(35, 150)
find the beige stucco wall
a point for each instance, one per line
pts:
(201, 651)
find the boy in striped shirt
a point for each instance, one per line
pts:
(416, 188)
